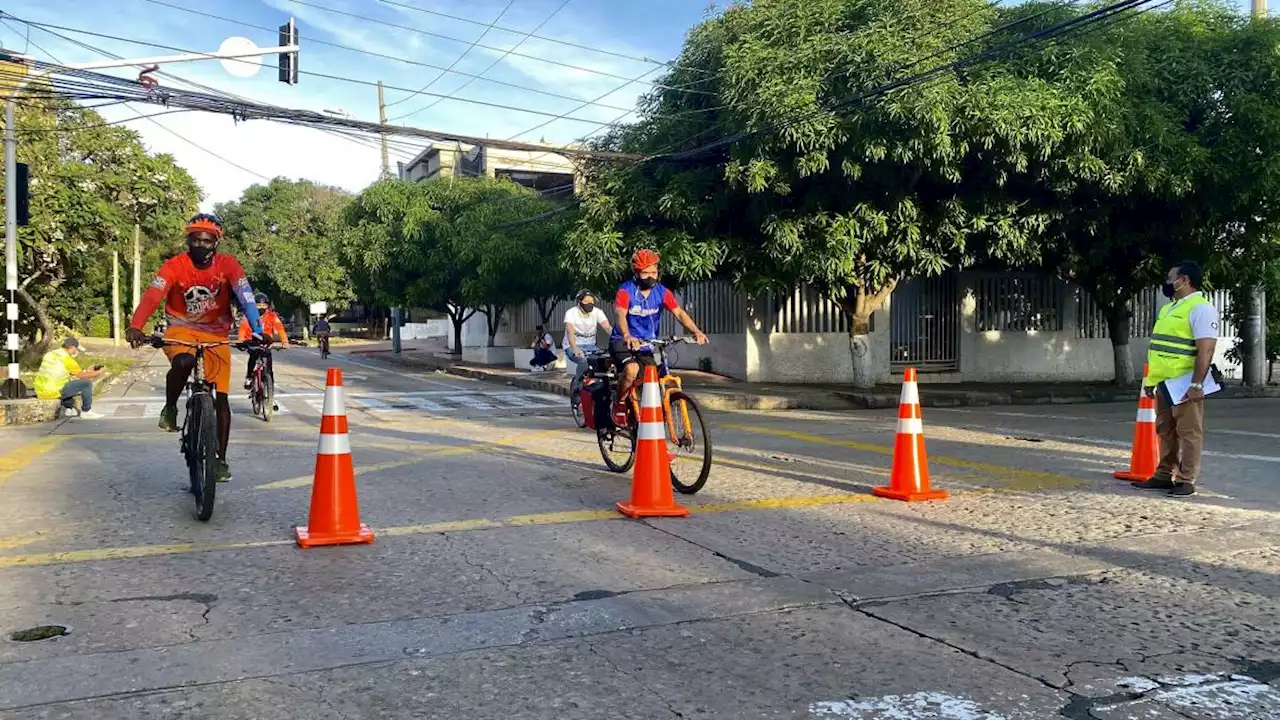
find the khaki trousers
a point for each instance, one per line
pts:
(1181, 431)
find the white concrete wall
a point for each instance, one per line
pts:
(728, 355)
(428, 329)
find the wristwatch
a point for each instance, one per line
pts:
(1197, 386)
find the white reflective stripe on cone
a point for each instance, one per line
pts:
(335, 401)
(910, 426)
(652, 431)
(1146, 415)
(651, 396)
(910, 394)
(334, 444)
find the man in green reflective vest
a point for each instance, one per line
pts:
(1183, 341)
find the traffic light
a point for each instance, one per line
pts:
(289, 60)
(24, 209)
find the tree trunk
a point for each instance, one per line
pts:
(37, 349)
(493, 319)
(545, 306)
(1118, 322)
(459, 317)
(860, 304)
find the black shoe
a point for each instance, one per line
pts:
(169, 419)
(1183, 489)
(1154, 483)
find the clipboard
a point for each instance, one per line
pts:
(1174, 390)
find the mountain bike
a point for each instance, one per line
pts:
(262, 386)
(198, 441)
(323, 340)
(687, 436)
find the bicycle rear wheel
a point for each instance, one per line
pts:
(202, 453)
(617, 447)
(690, 457)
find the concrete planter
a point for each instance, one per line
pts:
(523, 356)
(488, 355)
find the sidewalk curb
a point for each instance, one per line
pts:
(930, 396)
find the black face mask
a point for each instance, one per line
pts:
(587, 307)
(200, 255)
(646, 283)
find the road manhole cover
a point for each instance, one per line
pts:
(43, 632)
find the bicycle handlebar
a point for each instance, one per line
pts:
(159, 342)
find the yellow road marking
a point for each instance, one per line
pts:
(17, 541)
(15, 460)
(558, 517)
(1023, 476)
(306, 480)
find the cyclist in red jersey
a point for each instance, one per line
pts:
(198, 288)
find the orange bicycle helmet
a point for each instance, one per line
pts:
(643, 259)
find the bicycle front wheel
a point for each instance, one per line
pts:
(202, 454)
(690, 448)
(268, 397)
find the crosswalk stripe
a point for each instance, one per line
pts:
(131, 409)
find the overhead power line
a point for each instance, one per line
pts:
(491, 66)
(344, 135)
(428, 33)
(157, 123)
(384, 56)
(460, 57)
(312, 73)
(533, 35)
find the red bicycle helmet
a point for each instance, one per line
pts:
(643, 259)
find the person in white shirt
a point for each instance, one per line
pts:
(580, 325)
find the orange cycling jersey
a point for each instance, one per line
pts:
(271, 327)
(197, 299)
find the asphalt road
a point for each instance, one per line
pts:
(503, 585)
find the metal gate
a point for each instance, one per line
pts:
(925, 325)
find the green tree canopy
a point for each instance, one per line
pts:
(286, 235)
(89, 184)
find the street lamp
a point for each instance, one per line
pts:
(288, 52)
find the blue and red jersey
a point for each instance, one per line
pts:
(643, 313)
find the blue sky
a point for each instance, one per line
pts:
(652, 28)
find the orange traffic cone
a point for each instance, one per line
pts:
(909, 480)
(1145, 457)
(651, 481)
(335, 515)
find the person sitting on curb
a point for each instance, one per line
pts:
(542, 353)
(54, 380)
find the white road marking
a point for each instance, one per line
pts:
(1022, 432)
(1092, 420)
(384, 370)
(372, 403)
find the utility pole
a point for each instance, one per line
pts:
(1254, 333)
(137, 264)
(382, 118)
(115, 297)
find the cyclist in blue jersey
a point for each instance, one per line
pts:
(639, 305)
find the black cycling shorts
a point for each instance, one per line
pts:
(622, 354)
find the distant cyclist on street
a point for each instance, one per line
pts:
(271, 327)
(198, 289)
(639, 304)
(321, 332)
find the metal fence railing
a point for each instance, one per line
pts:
(924, 320)
(1017, 302)
(1093, 325)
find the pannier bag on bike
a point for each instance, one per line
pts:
(594, 397)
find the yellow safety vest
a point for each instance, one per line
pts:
(1173, 346)
(56, 370)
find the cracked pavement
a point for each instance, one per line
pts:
(502, 585)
